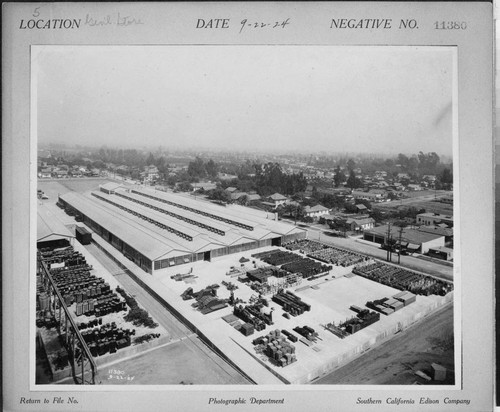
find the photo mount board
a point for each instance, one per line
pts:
(172, 25)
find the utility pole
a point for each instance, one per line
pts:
(388, 241)
(399, 249)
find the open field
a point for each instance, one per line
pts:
(427, 200)
(395, 361)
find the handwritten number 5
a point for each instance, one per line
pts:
(36, 13)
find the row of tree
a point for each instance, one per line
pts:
(270, 178)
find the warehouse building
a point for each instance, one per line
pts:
(444, 253)
(158, 229)
(50, 232)
(110, 187)
(372, 196)
(412, 239)
(434, 219)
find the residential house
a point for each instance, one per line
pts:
(253, 197)
(316, 211)
(150, 174)
(45, 173)
(359, 225)
(382, 184)
(380, 174)
(361, 208)
(238, 195)
(277, 199)
(204, 185)
(414, 187)
(429, 178)
(60, 173)
(225, 176)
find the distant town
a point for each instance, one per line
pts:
(306, 188)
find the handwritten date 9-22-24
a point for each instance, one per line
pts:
(260, 25)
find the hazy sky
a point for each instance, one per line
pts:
(343, 99)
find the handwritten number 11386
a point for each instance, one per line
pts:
(259, 25)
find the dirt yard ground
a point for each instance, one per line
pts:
(186, 362)
(394, 362)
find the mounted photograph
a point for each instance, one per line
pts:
(245, 215)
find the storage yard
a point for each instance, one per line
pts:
(277, 307)
(330, 299)
(110, 321)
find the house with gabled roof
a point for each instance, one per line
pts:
(316, 211)
(277, 199)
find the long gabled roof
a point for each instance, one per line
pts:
(156, 234)
(48, 227)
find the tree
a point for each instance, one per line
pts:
(446, 177)
(392, 196)
(332, 201)
(339, 177)
(150, 160)
(243, 200)
(389, 163)
(287, 210)
(185, 187)
(428, 162)
(220, 195)
(351, 164)
(315, 194)
(353, 182)
(197, 169)
(403, 161)
(269, 178)
(339, 225)
(211, 169)
(377, 215)
(413, 164)
(350, 208)
(294, 211)
(99, 164)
